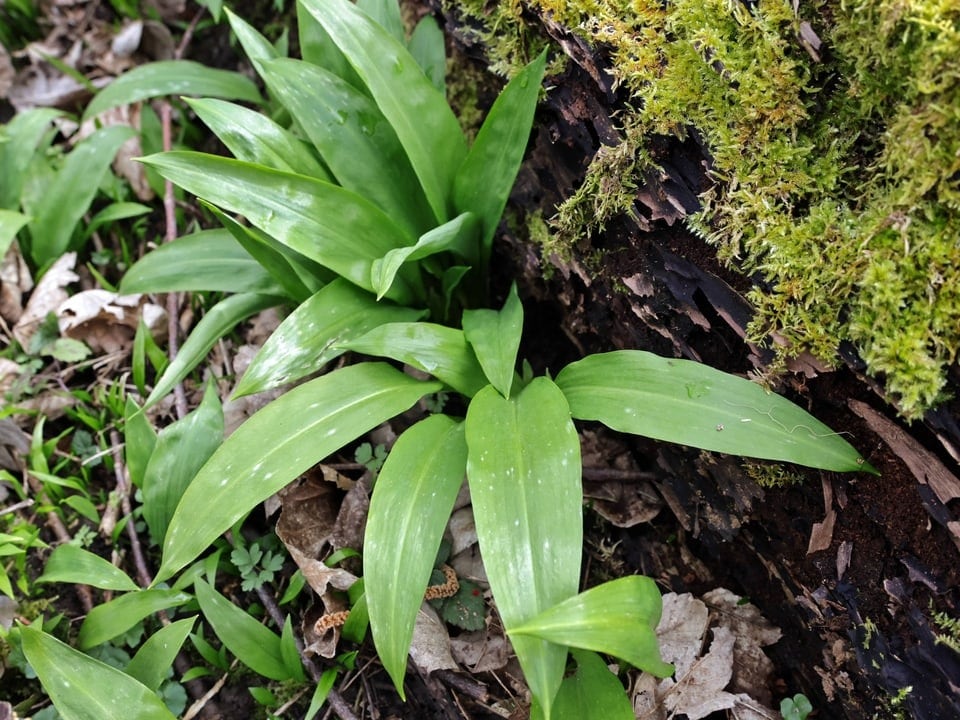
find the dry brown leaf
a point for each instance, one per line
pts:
(752, 668)
(15, 282)
(463, 530)
(682, 628)
(700, 691)
(305, 526)
(430, 648)
(6, 72)
(105, 321)
(482, 651)
(46, 297)
(821, 535)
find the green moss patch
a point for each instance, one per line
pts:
(837, 168)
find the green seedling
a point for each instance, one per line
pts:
(796, 708)
(256, 566)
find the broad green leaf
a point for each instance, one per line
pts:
(418, 112)
(112, 213)
(523, 468)
(495, 337)
(692, 404)
(385, 13)
(354, 139)
(139, 439)
(218, 321)
(181, 450)
(429, 49)
(72, 564)
(108, 620)
(172, 77)
(299, 276)
(59, 210)
(436, 349)
(318, 49)
(19, 140)
(155, 657)
(10, 224)
(255, 646)
(592, 692)
(484, 181)
(312, 335)
(618, 618)
(254, 44)
(290, 652)
(253, 137)
(411, 503)
(326, 223)
(320, 693)
(208, 260)
(458, 236)
(278, 443)
(86, 689)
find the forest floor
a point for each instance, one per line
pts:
(829, 584)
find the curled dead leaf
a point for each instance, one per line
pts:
(107, 322)
(46, 298)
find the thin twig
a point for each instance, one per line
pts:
(16, 506)
(202, 702)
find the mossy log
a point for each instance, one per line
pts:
(857, 571)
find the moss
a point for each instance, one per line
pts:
(772, 475)
(837, 178)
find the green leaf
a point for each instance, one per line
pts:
(312, 335)
(156, 656)
(484, 181)
(299, 276)
(218, 321)
(86, 689)
(692, 404)
(172, 77)
(112, 213)
(278, 443)
(110, 619)
(71, 564)
(139, 439)
(592, 692)
(59, 210)
(354, 139)
(23, 135)
(524, 473)
(411, 503)
(436, 349)
(428, 48)
(417, 111)
(208, 260)
(318, 49)
(290, 652)
(253, 137)
(458, 236)
(386, 13)
(254, 44)
(495, 337)
(324, 685)
(10, 224)
(618, 618)
(254, 645)
(181, 450)
(332, 226)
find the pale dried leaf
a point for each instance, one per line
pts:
(700, 691)
(463, 530)
(105, 321)
(6, 72)
(127, 40)
(752, 668)
(482, 651)
(682, 628)
(15, 282)
(46, 297)
(430, 648)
